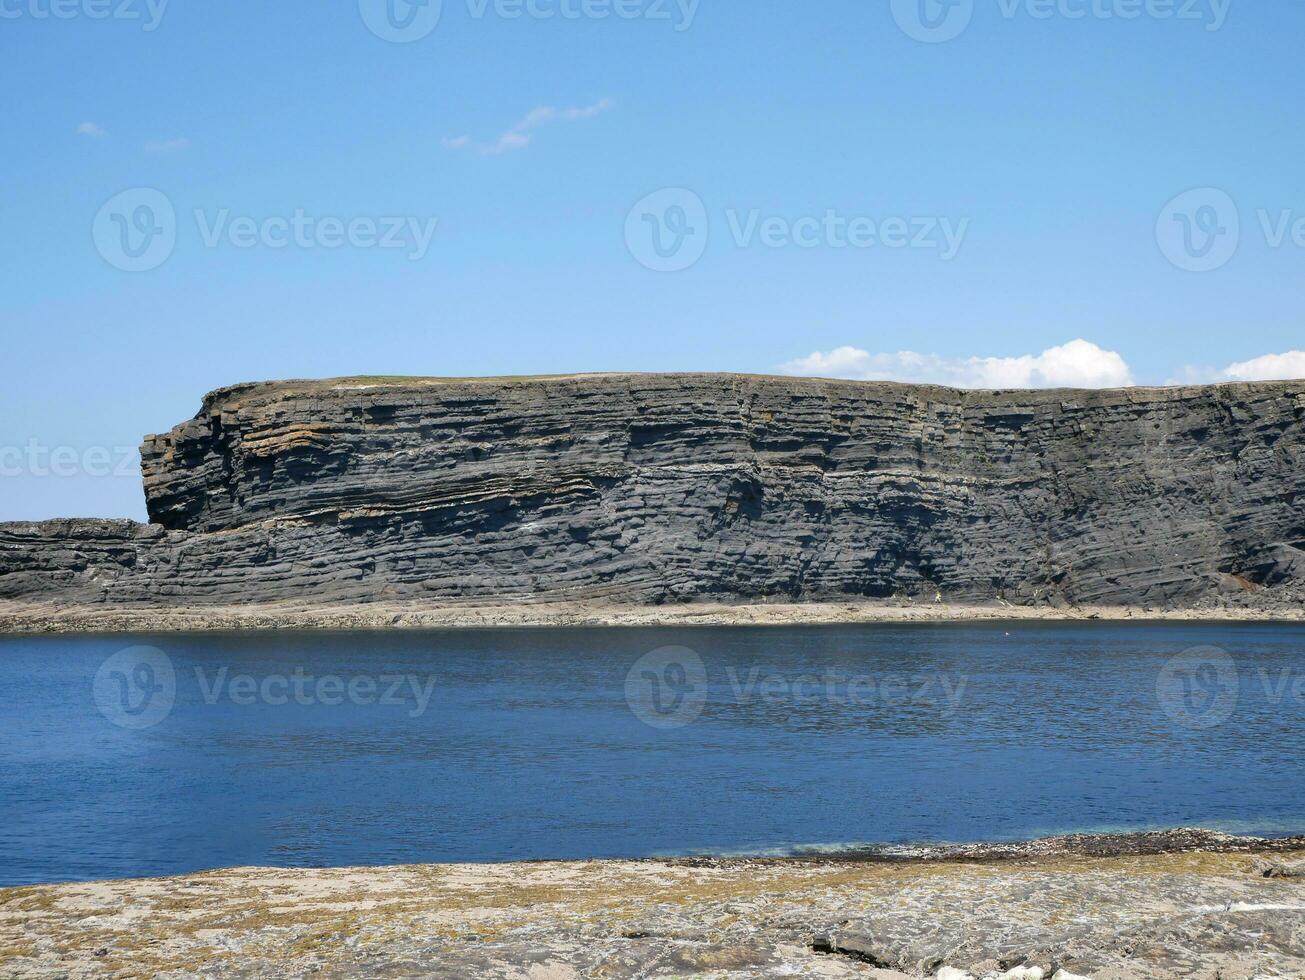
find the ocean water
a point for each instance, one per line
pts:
(160, 754)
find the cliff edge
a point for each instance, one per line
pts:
(654, 489)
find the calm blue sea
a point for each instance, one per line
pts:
(147, 755)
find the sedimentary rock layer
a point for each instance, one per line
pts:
(661, 488)
(1190, 916)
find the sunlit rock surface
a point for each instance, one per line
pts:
(649, 489)
(1136, 916)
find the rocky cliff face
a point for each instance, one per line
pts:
(659, 488)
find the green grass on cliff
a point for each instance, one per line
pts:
(402, 379)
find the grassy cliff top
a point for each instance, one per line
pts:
(277, 390)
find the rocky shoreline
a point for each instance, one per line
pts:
(1189, 904)
(19, 617)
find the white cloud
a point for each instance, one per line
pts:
(1287, 366)
(1077, 364)
(167, 146)
(1271, 367)
(520, 135)
(90, 129)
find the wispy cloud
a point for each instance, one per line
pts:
(1287, 366)
(90, 129)
(520, 135)
(174, 145)
(1077, 364)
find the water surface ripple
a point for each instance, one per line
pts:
(520, 744)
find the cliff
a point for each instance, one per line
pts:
(648, 489)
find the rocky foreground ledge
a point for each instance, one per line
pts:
(1143, 907)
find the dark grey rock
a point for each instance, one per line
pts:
(653, 489)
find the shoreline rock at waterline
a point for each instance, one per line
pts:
(1106, 908)
(28, 617)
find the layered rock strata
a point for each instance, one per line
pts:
(650, 489)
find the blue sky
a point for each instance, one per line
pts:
(827, 191)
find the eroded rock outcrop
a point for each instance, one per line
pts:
(663, 488)
(1197, 916)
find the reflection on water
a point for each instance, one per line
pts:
(374, 748)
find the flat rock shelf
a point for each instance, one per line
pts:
(1186, 905)
(19, 617)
